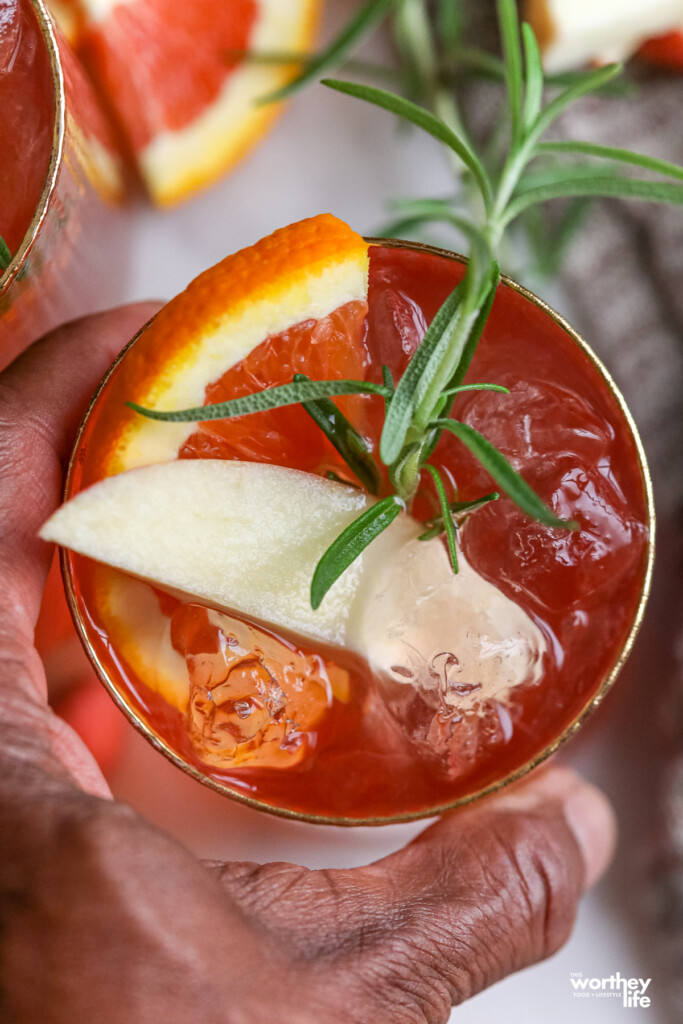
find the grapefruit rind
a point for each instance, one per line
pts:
(576, 33)
(302, 272)
(141, 634)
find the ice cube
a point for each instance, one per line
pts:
(254, 699)
(455, 635)
(448, 651)
(565, 447)
(453, 740)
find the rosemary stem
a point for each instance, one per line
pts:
(425, 411)
(512, 172)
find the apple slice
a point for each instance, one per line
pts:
(246, 537)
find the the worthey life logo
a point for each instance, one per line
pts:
(632, 991)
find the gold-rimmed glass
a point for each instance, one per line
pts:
(62, 268)
(594, 690)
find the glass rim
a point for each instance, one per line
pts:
(19, 258)
(578, 720)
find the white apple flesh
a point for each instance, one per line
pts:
(246, 537)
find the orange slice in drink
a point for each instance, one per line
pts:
(294, 302)
(171, 74)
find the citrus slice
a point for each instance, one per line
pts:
(306, 279)
(575, 32)
(131, 612)
(186, 105)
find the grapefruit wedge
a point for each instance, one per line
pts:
(294, 302)
(575, 32)
(183, 99)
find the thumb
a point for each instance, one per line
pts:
(484, 892)
(494, 888)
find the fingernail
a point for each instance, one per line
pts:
(590, 816)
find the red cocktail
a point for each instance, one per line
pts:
(59, 175)
(309, 728)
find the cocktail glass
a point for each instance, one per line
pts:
(61, 268)
(386, 780)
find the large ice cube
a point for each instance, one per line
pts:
(448, 651)
(253, 698)
(456, 636)
(580, 481)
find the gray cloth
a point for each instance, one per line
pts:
(624, 277)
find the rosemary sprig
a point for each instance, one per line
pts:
(303, 59)
(502, 189)
(421, 118)
(270, 398)
(5, 255)
(507, 478)
(446, 515)
(351, 445)
(459, 510)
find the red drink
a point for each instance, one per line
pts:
(27, 118)
(364, 748)
(59, 174)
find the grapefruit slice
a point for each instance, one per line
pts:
(131, 613)
(575, 32)
(186, 107)
(263, 306)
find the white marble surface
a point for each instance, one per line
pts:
(332, 153)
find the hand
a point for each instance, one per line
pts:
(104, 918)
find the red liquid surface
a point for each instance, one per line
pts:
(381, 753)
(26, 118)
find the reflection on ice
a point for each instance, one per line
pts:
(456, 636)
(449, 650)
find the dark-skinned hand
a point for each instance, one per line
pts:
(104, 918)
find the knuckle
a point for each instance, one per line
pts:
(398, 989)
(532, 875)
(503, 897)
(97, 834)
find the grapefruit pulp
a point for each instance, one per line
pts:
(184, 103)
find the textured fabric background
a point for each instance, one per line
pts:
(624, 276)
